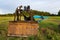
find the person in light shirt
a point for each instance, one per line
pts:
(18, 12)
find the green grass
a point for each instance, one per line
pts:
(50, 26)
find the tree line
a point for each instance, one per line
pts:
(35, 12)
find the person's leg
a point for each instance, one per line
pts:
(20, 17)
(14, 16)
(17, 16)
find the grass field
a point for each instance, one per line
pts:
(48, 29)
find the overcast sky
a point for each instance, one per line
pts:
(9, 6)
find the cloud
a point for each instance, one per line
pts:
(51, 6)
(1, 12)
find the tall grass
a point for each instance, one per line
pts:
(48, 29)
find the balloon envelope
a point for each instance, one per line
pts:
(37, 16)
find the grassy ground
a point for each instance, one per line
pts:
(48, 29)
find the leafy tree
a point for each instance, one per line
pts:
(59, 13)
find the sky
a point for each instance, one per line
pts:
(9, 6)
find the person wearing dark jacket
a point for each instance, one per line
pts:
(28, 18)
